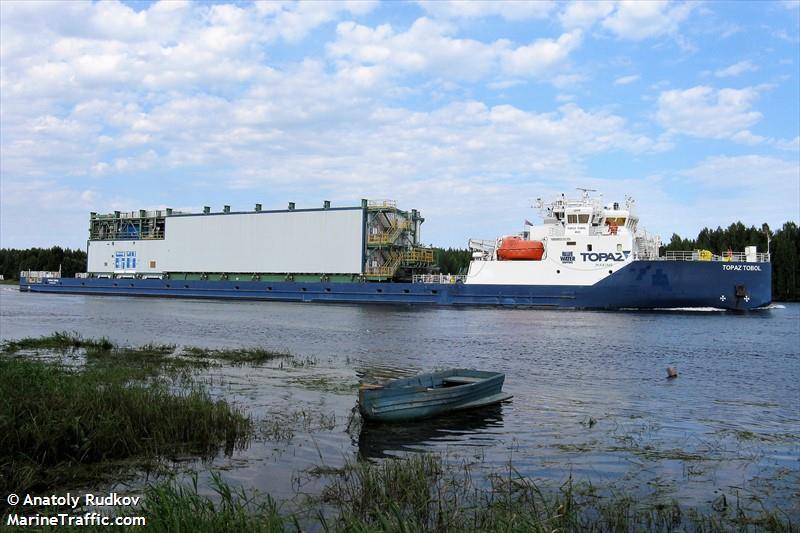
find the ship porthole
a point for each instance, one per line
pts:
(610, 272)
(406, 291)
(269, 288)
(236, 287)
(303, 289)
(185, 286)
(380, 290)
(434, 292)
(558, 272)
(327, 289)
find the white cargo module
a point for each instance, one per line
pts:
(327, 241)
(341, 241)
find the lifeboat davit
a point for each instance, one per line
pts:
(517, 249)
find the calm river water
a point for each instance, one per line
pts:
(590, 396)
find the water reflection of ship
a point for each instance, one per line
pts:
(470, 428)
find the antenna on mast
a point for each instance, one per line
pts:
(586, 191)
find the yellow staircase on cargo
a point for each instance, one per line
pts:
(390, 235)
(388, 269)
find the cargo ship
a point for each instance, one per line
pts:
(583, 255)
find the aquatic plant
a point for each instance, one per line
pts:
(238, 356)
(423, 493)
(56, 420)
(60, 340)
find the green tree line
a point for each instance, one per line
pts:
(452, 260)
(13, 261)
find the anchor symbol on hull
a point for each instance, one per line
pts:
(722, 298)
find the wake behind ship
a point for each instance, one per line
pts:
(584, 255)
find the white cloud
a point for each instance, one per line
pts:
(541, 55)
(703, 112)
(747, 137)
(636, 20)
(753, 171)
(625, 80)
(428, 46)
(425, 46)
(504, 84)
(736, 69)
(507, 9)
(764, 188)
(582, 14)
(788, 144)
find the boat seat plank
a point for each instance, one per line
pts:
(462, 380)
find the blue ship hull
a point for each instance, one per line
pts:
(639, 285)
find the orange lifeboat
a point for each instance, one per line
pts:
(517, 249)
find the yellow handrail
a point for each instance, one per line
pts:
(418, 255)
(391, 235)
(388, 269)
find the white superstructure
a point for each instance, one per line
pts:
(584, 241)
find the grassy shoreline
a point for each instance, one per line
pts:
(420, 493)
(71, 424)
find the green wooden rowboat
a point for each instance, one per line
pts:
(429, 395)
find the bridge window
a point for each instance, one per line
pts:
(572, 219)
(583, 219)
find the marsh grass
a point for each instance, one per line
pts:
(283, 426)
(174, 507)
(423, 493)
(149, 358)
(56, 420)
(236, 356)
(325, 384)
(60, 341)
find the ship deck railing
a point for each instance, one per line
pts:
(157, 213)
(704, 255)
(35, 275)
(439, 278)
(381, 204)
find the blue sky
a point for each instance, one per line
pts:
(466, 111)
